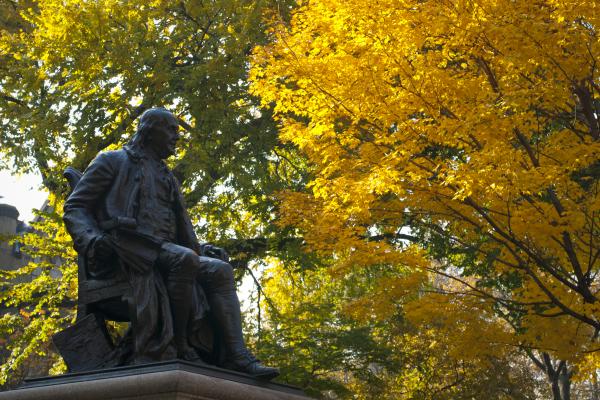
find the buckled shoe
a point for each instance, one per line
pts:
(250, 365)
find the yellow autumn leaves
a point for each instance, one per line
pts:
(475, 121)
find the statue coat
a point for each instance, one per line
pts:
(112, 187)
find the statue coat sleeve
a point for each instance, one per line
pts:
(79, 210)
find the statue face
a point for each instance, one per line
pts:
(162, 140)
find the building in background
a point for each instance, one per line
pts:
(11, 256)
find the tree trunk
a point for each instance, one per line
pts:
(559, 376)
(595, 387)
(555, 388)
(564, 379)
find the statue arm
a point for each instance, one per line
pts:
(79, 207)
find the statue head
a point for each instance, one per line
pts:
(158, 132)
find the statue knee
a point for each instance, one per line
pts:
(223, 272)
(187, 267)
(189, 257)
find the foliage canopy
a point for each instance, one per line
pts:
(75, 76)
(459, 139)
(450, 150)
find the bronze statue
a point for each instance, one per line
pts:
(127, 218)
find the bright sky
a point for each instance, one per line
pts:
(23, 192)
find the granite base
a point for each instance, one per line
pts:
(176, 380)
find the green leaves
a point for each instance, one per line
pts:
(74, 78)
(38, 297)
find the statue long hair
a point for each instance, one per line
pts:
(149, 119)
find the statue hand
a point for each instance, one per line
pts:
(209, 250)
(102, 248)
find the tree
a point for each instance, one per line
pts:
(473, 122)
(37, 299)
(335, 346)
(75, 76)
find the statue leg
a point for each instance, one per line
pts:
(216, 277)
(217, 280)
(180, 265)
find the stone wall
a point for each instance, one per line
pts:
(10, 256)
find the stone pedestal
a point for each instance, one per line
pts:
(169, 380)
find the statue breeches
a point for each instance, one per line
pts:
(183, 265)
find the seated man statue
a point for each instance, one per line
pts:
(127, 213)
